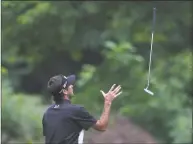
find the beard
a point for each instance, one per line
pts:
(71, 96)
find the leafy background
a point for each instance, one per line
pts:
(102, 43)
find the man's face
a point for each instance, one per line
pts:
(69, 91)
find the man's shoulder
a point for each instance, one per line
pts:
(76, 106)
(48, 108)
(70, 107)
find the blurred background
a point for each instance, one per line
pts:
(102, 43)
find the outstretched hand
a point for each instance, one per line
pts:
(112, 93)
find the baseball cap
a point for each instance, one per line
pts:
(59, 82)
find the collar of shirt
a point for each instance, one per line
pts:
(64, 101)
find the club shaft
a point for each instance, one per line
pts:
(150, 59)
(152, 35)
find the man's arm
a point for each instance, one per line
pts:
(85, 120)
(102, 123)
(43, 125)
(43, 128)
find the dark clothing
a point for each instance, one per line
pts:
(63, 122)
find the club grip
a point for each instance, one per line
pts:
(154, 19)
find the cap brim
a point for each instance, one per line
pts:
(71, 80)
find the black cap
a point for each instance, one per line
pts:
(59, 82)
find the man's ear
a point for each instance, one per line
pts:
(65, 91)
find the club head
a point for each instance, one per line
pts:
(148, 91)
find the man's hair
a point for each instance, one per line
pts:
(57, 97)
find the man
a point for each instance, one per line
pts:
(63, 121)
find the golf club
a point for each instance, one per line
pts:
(152, 34)
(148, 91)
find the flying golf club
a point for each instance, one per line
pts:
(152, 34)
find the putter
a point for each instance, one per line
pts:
(148, 91)
(152, 34)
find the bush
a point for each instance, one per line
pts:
(21, 116)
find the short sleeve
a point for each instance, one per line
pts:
(84, 119)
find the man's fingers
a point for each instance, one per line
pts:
(102, 93)
(118, 94)
(117, 89)
(112, 87)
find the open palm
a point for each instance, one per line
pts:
(112, 93)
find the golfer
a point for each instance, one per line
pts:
(62, 122)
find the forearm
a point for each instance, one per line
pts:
(102, 123)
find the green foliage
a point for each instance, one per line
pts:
(21, 115)
(167, 110)
(103, 43)
(182, 126)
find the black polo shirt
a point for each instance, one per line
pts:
(62, 123)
